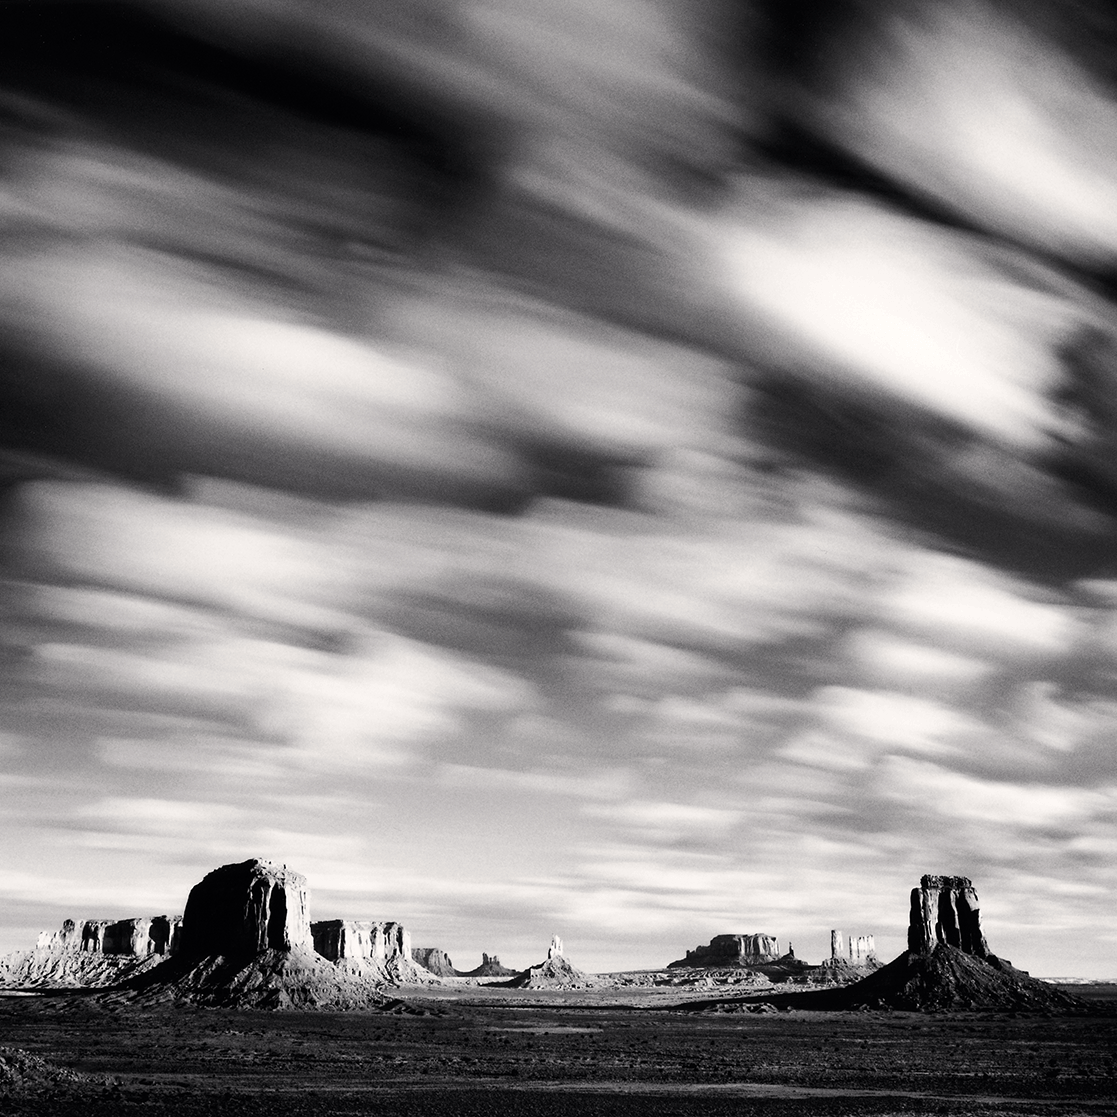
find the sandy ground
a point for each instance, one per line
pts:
(509, 1052)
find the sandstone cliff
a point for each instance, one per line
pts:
(92, 952)
(380, 951)
(247, 942)
(945, 911)
(860, 952)
(434, 961)
(732, 950)
(245, 909)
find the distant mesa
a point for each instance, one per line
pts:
(435, 961)
(136, 938)
(732, 950)
(490, 967)
(364, 946)
(858, 951)
(245, 939)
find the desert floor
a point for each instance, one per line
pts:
(512, 1052)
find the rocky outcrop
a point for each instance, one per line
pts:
(248, 941)
(246, 909)
(556, 972)
(945, 912)
(947, 967)
(490, 967)
(93, 952)
(434, 960)
(732, 950)
(362, 946)
(68, 937)
(861, 950)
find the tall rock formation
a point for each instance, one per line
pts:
(733, 950)
(555, 972)
(945, 911)
(245, 909)
(860, 951)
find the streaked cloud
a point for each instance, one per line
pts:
(958, 98)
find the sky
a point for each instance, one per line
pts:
(631, 470)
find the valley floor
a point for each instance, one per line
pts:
(511, 1052)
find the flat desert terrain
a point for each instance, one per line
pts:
(480, 1051)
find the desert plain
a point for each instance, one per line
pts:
(487, 1050)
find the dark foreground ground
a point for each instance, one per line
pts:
(508, 1054)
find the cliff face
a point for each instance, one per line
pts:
(437, 961)
(246, 909)
(93, 952)
(140, 937)
(733, 950)
(861, 950)
(946, 911)
(361, 940)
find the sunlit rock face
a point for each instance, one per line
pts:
(361, 940)
(555, 949)
(860, 950)
(66, 938)
(733, 950)
(437, 961)
(946, 911)
(138, 937)
(246, 909)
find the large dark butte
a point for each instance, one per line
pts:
(246, 943)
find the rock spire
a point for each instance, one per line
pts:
(946, 911)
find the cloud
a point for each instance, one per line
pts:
(992, 803)
(969, 608)
(667, 822)
(964, 103)
(907, 308)
(608, 785)
(892, 661)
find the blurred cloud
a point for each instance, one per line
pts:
(966, 103)
(904, 307)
